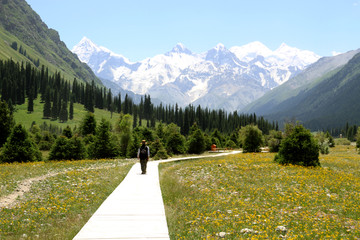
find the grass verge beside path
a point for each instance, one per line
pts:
(57, 207)
(249, 196)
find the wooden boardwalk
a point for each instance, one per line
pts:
(135, 210)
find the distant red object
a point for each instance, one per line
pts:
(213, 147)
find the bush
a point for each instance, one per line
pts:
(231, 144)
(250, 138)
(196, 142)
(19, 147)
(68, 149)
(6, 122)
(342, 141)
(274, 141)
(160, 151)
(175, 143)
(299, 148)
(324, 142)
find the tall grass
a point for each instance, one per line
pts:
(248, 196)
(57, 207)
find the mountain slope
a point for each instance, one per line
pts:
(331, 102)
(20, 24)
(218, 78)
(284, 96)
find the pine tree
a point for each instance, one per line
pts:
(19, 147)
(47, 105)
(103, 146)
(196, 143)
(88, 125)
(30, 107)
(71, 109)
(298, 147)
(63, 116)
(6, 122)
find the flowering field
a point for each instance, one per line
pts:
(62, 197)
(249, 196)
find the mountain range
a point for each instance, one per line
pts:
(219, 78)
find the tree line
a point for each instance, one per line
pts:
(19, 81)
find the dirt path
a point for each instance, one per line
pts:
(11, 200)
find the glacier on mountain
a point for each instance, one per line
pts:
(219, 78)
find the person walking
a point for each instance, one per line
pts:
(143, 154)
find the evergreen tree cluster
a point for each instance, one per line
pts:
(19, 81)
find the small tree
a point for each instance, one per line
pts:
(67, 132)
(6, 122)
(175, 142)
(160, 150)
(299, 148)
(124, 129)
(323, 142)
(331, 141)
(60, 150)
(134, 145)
(68, 149)
(103, 147)
(274, 141)
(250, 137)
(19, 147)
(196, 142)
(88, 125)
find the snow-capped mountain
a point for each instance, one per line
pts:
(219, 78)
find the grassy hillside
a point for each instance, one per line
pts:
(19, 23)
(22, 116)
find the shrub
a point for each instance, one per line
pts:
(68, 149)
(323, 141)
(299, 148)
(134, 145)
(6, 122)
(60, 150)
(196, 142)
(160, 151)
(250, 137)
(342, 141)
(274, 141)
(19, 147)
(175, 143)
(231, 144)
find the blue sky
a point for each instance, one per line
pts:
(143, 28)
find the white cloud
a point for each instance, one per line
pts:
(355, 4)
(334, 53)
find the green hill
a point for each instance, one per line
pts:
(22, 116)
(25, 37)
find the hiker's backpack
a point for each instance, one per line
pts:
(143, 152)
